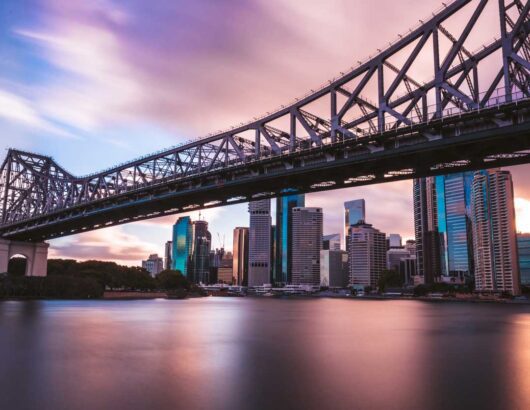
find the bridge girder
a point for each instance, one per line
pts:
(34, 187)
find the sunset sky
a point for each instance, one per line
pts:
(96, 83)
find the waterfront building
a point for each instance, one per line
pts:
(426, 230)
(202, 242)
(407, 269)
(307, 243)
(182, 246)
(354, 213)
(442, 221)
(494, 234)
(394, 241)
(523, 246)
(366, 254)
(225, 270)
(168, 249)
(394, 256)
(284, 236)
(240, 263)
(331, 242)
(259, 243)
(154, 265)
(215, 261)
(334, 268)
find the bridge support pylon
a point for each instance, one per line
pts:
(36, 254)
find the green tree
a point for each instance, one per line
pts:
(172, 279)
(390, 279)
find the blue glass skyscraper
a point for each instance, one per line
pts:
(284, 232)
(354, 213)
(453, 197)
(182, 245)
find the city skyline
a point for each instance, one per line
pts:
(65, 110)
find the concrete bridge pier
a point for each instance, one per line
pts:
(36, 256)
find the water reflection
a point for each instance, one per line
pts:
(223, 353)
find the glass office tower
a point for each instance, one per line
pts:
(453, 196)
(523, 244)
(284, 233)
(182, 245)
(354, 213)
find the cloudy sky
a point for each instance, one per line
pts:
(95, 83)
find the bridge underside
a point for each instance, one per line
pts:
(499, 136)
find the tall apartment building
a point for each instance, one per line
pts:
(259, 243)
(494, 233)
(240, 259)
(168, 251)
(284, 236)
(366, 254)
(306, 245)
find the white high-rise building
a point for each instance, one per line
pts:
(259, 243)
(366, 254)
(494, 233)
(307, 242)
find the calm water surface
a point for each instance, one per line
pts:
(231, 353)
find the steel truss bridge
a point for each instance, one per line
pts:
(375, 123)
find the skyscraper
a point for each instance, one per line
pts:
(523, 246)
(284, 208)
(354, 213)
(168, 251)
(426, 229)
(366, 254)
(453, 195)
(442, 221)
(240, 259)
(494, 235)
(259, 243)
(202, 240)
(306, 245)
(182, 245)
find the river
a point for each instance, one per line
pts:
(252, 353)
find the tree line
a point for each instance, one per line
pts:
(68, 278)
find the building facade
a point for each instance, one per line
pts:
(523, 246)
(182, 246)
(240, 252)
(334, 268)
(225, 270)
(202, 243)
(494, 233)
(284, 236)
(306, 245)
(442, 222)
(354, 213)
(154, 264)
(259, 243)
(168, 251)
(331, 242)
(366, 255)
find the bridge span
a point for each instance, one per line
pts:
(376, 123)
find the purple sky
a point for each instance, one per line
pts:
(97, 83)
